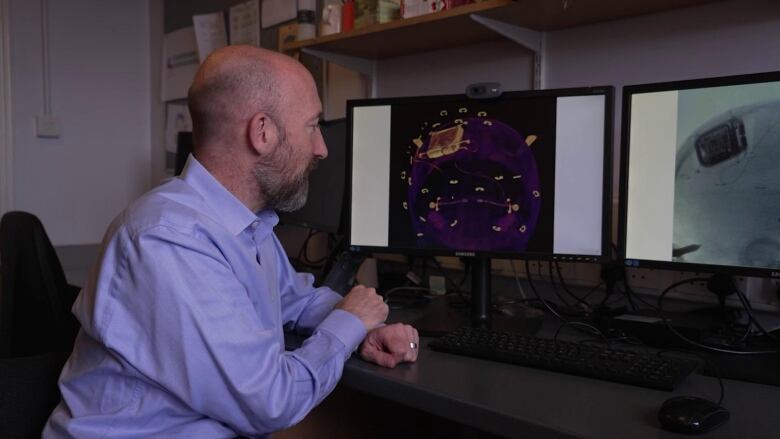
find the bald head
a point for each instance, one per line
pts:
(232, 85)
(255, 117)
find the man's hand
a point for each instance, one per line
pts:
(392, 344)
(366, 304)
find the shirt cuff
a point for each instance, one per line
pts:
(346, 327)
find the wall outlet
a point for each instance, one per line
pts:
(48, 126)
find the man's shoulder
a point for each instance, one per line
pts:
(173, 205)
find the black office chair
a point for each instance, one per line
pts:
(37, 329)
(28, 393)
(35, 298)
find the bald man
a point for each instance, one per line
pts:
(183, 316)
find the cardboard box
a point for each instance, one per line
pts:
(414, 8)
(368, 12)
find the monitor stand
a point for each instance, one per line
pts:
(442, 317)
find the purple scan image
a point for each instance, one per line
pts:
(473, 185)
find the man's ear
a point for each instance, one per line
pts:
(263, 133)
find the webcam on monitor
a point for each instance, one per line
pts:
(483, 90)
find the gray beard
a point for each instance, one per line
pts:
(281, 193)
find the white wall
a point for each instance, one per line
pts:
(157, 113)
(6, 153)
(100, 87)
(449, 71)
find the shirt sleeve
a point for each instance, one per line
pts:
(178, 315)
(304, 307)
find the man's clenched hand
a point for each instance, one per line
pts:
(366, 304)
(389, 345)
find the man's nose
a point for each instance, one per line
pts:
(320, 149)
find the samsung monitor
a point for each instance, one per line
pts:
(700, 178)
(325, 202)
(523, 175)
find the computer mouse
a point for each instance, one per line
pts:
(691, 415)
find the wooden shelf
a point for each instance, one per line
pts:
(455, 27)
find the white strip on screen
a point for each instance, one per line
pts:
(370, 176)
(579, 166)
(652, 145)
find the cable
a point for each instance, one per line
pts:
(689, 341)
(536, 293)
(592, 290)
(630, 299)
(45, 57)
(565, 287)
(596, 331)
(752, 320)
(517, 280)
(303, 254)
(552, 283)
(389, 292)
(707, 363)
(631, 291)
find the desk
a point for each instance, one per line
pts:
(518, 402)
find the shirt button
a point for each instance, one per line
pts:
(255, 223)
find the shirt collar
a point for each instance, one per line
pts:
(228, 209)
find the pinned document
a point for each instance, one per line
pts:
(245, 23)
(180, 62)
(209, 33)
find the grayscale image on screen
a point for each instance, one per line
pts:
(727, 176)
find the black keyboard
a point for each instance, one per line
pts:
(585, 359)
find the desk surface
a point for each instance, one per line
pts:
(514, 401)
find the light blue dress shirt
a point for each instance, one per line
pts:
(182, 325)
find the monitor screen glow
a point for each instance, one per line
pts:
(702, 186)
(525, 174)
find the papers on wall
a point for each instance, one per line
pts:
(209, 33)
(177, 119)
(278, 11)
(245, 23)
(180, 62)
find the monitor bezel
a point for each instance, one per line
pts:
(606, 241)
(631, 90)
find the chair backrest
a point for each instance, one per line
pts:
(28, 393)
(35, 299)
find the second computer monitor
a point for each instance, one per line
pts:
(701, 188)
(523, 175)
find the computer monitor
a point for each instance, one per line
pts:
(700, 181)
(525, 175)
(183, 150)
(325, 204)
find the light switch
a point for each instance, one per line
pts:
(48, 126)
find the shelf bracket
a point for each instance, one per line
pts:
(362, 65)
(528, 38)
